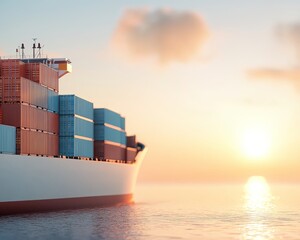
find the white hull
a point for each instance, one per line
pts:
(28, 179)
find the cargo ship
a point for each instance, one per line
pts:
(58, 152)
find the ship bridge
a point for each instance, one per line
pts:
(62, 65)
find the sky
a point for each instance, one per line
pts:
(211, 87)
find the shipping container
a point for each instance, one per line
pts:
(25, 116)
(73, 105)
(103, 115)
(53, 101)
(7, 139)
(37, 143)
(1, 89)
(122, 123)
(0, 114)
(105, 133)
(106, 150)
(71, 125)
(53, 144)
(75, 147)
(130, 154)
(24, 90)
(131, 141)
(13, 68)
(16, 90)
(42, 74)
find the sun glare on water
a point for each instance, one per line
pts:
(256, 143)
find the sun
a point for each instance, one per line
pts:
(256, 143)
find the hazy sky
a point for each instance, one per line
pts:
(211, 87)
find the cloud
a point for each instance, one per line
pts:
(164, 34)
(289, 34)
(292, 75)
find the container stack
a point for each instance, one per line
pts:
(109, 134)
(31, 106)
(76, 127)
(42, 74)
(40, 122)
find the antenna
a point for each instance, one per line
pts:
(22, 47)
(39, 53)
(33, 47)
(18, 52)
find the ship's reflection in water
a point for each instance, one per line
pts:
(259, 208)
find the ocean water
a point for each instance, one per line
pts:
(255, 209)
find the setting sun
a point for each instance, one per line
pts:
(255, 143)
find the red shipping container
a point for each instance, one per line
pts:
(105, 150)
(25, 116)
(23, 90)
(11, 88)
(42, 74)
(1, 89)
(36, 143)
(53, 144)
(0, 114)
(13, 68)
(131, 141)
(130, 154)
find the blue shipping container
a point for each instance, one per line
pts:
(74, 147)
(69, 125)
(104, 133)
(71, 104)
(123, 123)
(53, 101)
(7, 139)
(103, 115)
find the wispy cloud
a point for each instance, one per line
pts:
(289, 34)
(164, 34)
(292, 75)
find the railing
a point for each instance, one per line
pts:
(18, 56)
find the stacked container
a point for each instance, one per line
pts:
(131, 149)
(42, 74)
(109, 134)
(76, 127)
(7, 139)
(44, 123)
(31, 105)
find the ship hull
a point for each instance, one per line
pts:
(36, 184)
(46, 205)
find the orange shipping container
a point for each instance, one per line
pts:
(131, 141)
(25, 116)
(13, 68)
(17, 90)
(42, 74)
(105, 150)
(36, 143)
(130, 154)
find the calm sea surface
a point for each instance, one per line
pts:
(253, 210)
